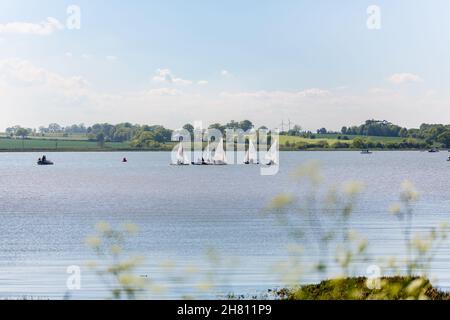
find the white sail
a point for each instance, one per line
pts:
(252, 153)
(207, 154)
(251, 156)
(272, 154)
(219, 155)
(182, 157)
(186, 158)
(247, 157)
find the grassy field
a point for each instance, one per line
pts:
(57, 145)
(81, 143)
(333, 138)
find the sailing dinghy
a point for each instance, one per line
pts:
(272, 155)
(251, 157)
(206, 158)
(182, 158)
(220, 157)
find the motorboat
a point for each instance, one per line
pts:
(45, 163)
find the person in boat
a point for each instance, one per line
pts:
(44, 158)
(124, 160)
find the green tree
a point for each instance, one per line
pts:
(359, 143)
(246, 125)
(217, 126)
(22, 132)
(444, 138)
(100, 139)
(189, 127)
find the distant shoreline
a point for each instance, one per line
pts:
(169, 150)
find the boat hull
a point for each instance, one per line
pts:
(45, 163)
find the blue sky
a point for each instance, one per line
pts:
(315, 62)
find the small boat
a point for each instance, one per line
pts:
(434, 150)
(272, 155)
(220, 157)
(206, 158)
(367, 151)
(124, 160)
(448, 159)
(45, 163)
(200, 163)
(251, 157)
(182, 159)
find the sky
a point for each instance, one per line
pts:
(317, 63)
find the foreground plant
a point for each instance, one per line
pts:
(324, 214)
(326, 217)
(420, 249)
(116, 271)
(391, 288)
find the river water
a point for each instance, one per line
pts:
(46, 213)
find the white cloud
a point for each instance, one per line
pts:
(43, 28)
(401, 78)
(31, 96)
(202, 82)
(22, 73)
(111, 58)
(281, 96)
(69, 54)
(164, 92)
(314, 92)
(165, 75)
(377, 90)
(86, 56)
(225, 73)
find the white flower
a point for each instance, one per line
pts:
(353, 188)
(93, 241)
(103, 227)
(395, 208)
(131, 228)
(408, 191)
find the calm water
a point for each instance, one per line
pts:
(46, 213)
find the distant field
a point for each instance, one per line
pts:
(332, 138)
(57, 144)
(81, 143)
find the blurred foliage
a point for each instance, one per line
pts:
(326, 213)
(392, 288)
(318, 218)
(116, 271)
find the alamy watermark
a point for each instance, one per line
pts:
(73, 281)
(73, 21)
(374, 17)
(227, 147)
(373, 273)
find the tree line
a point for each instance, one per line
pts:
(148, 136)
